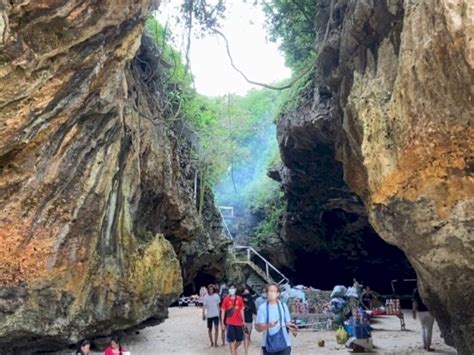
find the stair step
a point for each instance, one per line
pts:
(258, 277)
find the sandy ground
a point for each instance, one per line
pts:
(186, 333)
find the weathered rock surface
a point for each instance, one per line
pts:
(325, 223)
(392, 100)
(96, 213)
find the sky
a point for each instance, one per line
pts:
(256, 56)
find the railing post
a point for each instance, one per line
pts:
(248, 254)
(268, 273)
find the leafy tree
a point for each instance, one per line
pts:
(292, 22)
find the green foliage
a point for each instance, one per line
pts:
(203, 14)
(274, 206)
(292, 22)
(263, 190)
(236, 136)
(176, 81)
(265, 196)
(292, 97)
(230, 128)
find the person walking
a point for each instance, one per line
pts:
(232, 317)
(250, 313)
(210, 311)
(224, 294)
(426, 319)
(273, 319)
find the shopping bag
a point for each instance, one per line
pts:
(341, 336)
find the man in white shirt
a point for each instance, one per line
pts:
(210, 310)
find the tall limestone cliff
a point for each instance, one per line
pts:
(96, 210)
(391, 99)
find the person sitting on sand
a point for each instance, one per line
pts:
(115, 347)
(84, 348)
(232, 310)
(210, 311)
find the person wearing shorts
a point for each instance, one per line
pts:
(211, 306)
(250, 313)
(224, 294)
(232, 310)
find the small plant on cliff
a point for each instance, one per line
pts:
(265, 197)
(274, 207)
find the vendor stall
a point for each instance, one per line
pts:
(392, 308)
(312, 311)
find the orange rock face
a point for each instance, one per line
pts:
(395, 78)
(413, 104)
(96, 215)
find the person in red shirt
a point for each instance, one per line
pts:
(116, 348)
(232, 310)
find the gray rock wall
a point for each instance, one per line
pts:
(392, 96)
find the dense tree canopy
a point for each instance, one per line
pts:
(292, 22)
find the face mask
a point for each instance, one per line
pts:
(232, 291)
(264, 295)
(272, 296)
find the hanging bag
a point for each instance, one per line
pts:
(230, 312)
(276, 342)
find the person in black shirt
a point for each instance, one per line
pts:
(426, 319)
(250, 312)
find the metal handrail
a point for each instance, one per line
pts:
(229, 235)
(267, 263)
(252, 250)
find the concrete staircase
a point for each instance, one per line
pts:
(255, 283)
(258, 270)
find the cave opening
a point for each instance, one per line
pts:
(352, 249)
(202, 278)
(345, 246)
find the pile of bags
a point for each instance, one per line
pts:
(342, 291)
(338, 291)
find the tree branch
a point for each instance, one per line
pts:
(243, 74)
(307, 70)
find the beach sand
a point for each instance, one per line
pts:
(185, 333)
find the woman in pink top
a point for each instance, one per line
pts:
(115, 347)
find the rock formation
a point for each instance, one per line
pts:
(96, 209)
(391, 99)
